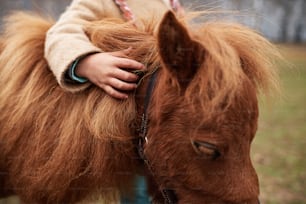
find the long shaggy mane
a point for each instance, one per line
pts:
(233, 54)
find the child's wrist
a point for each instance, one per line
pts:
(72, 72)
(74, 69)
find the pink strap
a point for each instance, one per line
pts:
(176, 5)
(128, 14)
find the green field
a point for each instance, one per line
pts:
(279, 149)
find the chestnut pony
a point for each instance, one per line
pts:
(59, 147)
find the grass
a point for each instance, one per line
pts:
(279, 148)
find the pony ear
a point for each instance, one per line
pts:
(179, 53)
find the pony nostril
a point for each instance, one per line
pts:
(207, 149)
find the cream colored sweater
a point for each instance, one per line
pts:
(66, 40)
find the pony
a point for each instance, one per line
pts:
(202, 112)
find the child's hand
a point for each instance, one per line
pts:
(106, 70)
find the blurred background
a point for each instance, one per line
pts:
(279, 148)
(279, 20)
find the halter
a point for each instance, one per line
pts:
(168, 195)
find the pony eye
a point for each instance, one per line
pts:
(206, 149)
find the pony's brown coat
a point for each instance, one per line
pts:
(60, 147)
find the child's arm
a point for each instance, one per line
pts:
(66, 42)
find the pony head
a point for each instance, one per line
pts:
(203, 114)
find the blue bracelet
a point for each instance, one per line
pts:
(72, 74)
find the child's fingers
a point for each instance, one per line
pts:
(124, 75)
(129, 64)
(121, 85)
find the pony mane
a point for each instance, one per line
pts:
(236, 54)
(27, 48)
(233, 54)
